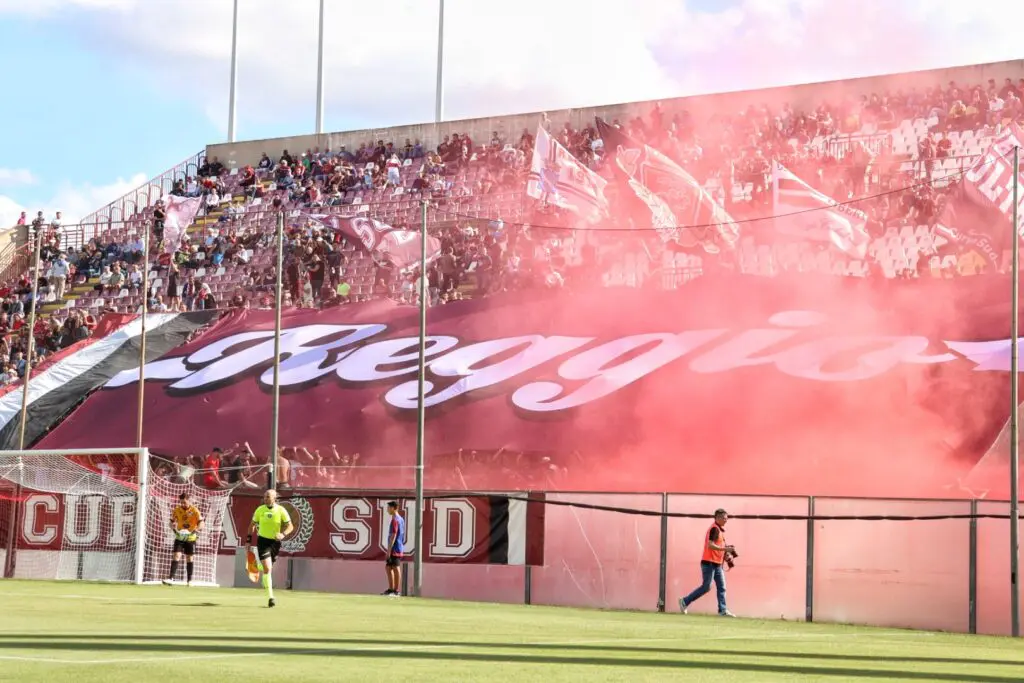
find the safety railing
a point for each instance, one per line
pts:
(920, 564)
(131, 204)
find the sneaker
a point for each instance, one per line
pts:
(271, 602)
(388, 592)
(167, 582)
(394, 594)
(682, 606)
(727, 613)
(189, 584)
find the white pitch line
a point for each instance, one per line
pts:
(126, 660)
(353, 648)
(101, 598)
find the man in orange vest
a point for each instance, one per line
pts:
(715, 550)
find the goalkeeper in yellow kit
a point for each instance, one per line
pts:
(186, 521)
(271, 523)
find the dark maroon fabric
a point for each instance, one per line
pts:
(757, 393)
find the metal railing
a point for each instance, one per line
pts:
(14, 261)
(139, 199)
(947, 574)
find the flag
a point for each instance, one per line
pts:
(399, 248)
(680, 209)
(181, 211)
(804, 212)
(979, 210)
(557, 177)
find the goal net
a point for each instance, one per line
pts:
(77, 515)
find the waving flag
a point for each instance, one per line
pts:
(400, 248)
(680, 209)
(802, 211)
(980, 210)
(181, 211)
(557, 177)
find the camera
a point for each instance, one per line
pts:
(730, 556)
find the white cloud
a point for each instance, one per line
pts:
(73, 201)
(9, 212)
(16, 176)
(526, 55)
(521, 56)
(508, 57)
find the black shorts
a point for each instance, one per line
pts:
(186, 548)
(267, 547)
(393, 560)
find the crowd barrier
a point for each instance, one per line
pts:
(948, 572)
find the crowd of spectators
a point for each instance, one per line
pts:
(304, 468)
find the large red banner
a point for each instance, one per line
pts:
(473, 529)
(466, 529)
(788, 385)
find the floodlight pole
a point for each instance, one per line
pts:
(142, 336)
(439, 94)
(276, 410)
(1014, 434)
(232, 92)
(417, 561)
(320, 74)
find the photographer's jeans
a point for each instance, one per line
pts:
(709, 572)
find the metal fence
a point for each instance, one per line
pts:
(948, 575)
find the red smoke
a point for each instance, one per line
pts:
(912, 431)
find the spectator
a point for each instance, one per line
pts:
(211, 468)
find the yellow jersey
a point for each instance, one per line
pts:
(186, 519)
(270, 521)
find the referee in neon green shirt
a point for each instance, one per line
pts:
(271, 524)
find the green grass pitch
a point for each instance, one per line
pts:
(119, 634)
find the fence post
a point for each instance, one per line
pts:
(972, 572)
(663, 564)
(809, 597)
(528, 570)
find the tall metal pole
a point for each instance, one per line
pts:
(1014, 402)
(439, 94)
(420, 414)
(14, 520)
(31, 338)
(234, 74)
(142, 337)
(278, 297)
(320, 74)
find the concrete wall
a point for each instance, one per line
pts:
(800, 96)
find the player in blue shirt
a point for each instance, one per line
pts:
(395, 550)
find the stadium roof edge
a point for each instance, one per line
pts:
(479, 129)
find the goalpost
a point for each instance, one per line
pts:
(98, 515)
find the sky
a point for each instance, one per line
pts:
(102, 95)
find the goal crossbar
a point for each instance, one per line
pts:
(101, 514)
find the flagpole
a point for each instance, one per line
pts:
(276, 410)
(320, 74)
(1014, 435)
(31, 339)
(420, 408)
(142, 335)
(232, 92)
(439, 93)
(14, 519)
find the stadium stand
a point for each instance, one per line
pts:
(894, 153)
